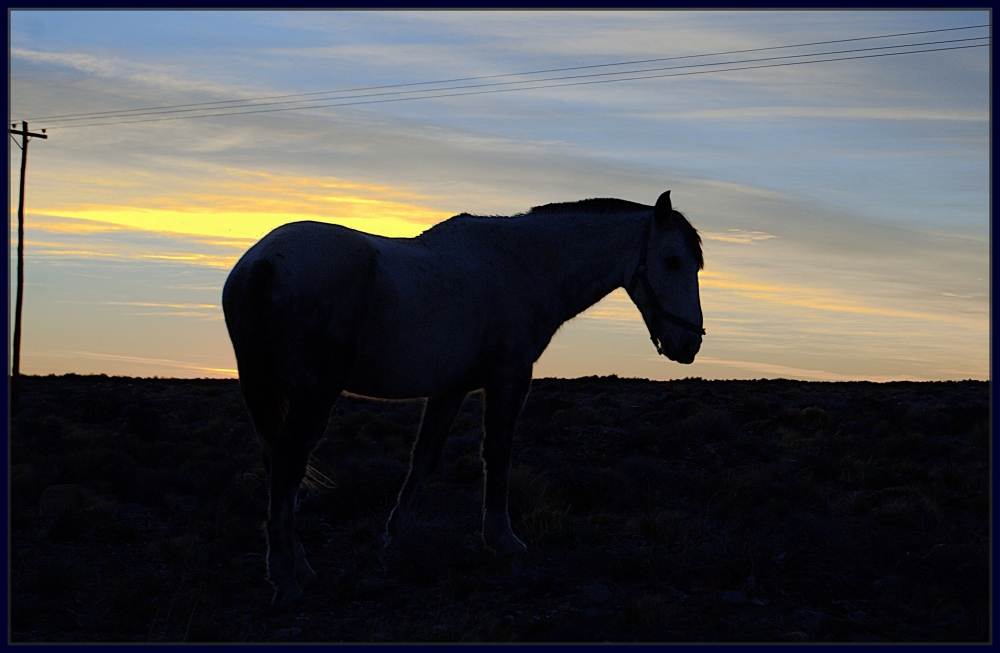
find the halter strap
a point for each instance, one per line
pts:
(657, 308)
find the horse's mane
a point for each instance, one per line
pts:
(611, 205)
(605, 205)
(596, 205)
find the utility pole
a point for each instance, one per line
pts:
(15, 377)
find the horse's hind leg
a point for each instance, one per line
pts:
(439, 414)
(303, 571)
(288, 454)
(504, 399)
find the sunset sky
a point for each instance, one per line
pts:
(844, 206)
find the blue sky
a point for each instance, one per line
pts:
(844, 206)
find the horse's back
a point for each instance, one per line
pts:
(309, 247)
(296, 297)
(305, 261)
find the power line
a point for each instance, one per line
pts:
(542, 86)
(125, 112)
(520, 82)
(137, 112)
(507, 90)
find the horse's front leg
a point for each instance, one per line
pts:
(439, 414)
(504, 399)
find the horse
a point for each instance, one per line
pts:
(316, 309)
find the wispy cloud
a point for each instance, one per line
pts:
(741, 236)
(784, 371)
(971, 295)
(826, 113)
(210, 311)
(164, 77)
(161, 305)
(616, 307)
(140, 360)
(810, 297)
(241, 206)
(126, 252)
(61, 238)
(86, 63)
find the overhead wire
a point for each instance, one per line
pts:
(522, 85)
(125, 112)
(525, 82)
(507, 90)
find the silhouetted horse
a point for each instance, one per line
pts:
(315, 309)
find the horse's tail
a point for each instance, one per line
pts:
(248, 313)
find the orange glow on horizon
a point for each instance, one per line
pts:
(241, 204)
(806, 297)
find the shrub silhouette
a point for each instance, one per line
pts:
(707, 510)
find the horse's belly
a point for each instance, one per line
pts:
(391, 374)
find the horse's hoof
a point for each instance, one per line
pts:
(286, 596)
(507, 545)
(514, 546)
(388, 555)
(305, 577)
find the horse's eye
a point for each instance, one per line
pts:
(673, 263)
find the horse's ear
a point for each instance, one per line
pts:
(663, 211)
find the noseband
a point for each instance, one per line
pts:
(659, 313)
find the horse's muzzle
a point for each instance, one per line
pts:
(685, 355)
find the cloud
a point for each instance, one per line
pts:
(513, 33)
(172, 78)
(826, 113)
(242, 206)
(140, 360)
(216, 307)
(783, 371)
(78, 61)
(722, 288)
(116, 251)
(60, 239)
(801, 296)
(973, 295)
(741, 236)
(616, 307)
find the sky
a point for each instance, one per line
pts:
(843, 205)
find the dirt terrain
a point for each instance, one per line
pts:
(685, 511)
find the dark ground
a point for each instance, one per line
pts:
(686, 511)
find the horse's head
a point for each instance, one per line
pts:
(663, 282)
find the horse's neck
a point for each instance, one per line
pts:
(585, 257)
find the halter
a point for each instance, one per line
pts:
(657, 309)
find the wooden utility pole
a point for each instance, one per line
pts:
(15, 376)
